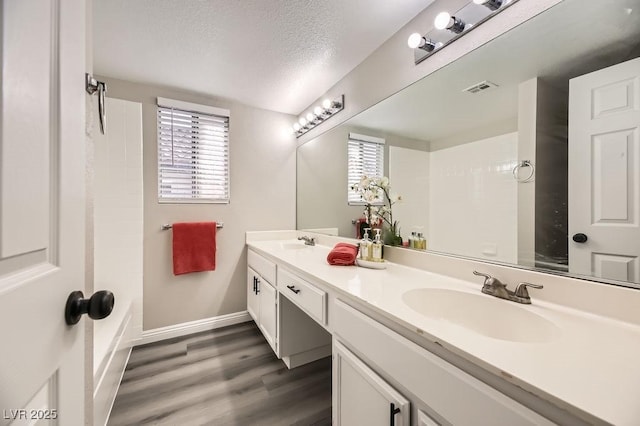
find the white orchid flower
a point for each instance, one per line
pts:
(370, 196)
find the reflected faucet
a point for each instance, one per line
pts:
(310, 241)
(493, 287)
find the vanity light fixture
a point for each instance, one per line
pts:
(444, 21)
(491, 4)
(310, 120)
(417, 41)
(458, 24)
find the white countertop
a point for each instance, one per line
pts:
(590, 365)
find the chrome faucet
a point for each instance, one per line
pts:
(492, 286)
(310, 241)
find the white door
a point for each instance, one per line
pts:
(268, 312)
(604, 173)
(361, 397)
(42, 209)
(253, 299)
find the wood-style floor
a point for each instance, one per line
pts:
(228, 376)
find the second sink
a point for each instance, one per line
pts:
(482, 314)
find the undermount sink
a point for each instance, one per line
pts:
(486, 315)
(293, 246)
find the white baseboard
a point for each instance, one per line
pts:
(171, 331)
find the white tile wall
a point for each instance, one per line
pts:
(409, 170)
(118, 220)
(473, 199)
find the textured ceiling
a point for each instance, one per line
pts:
(275, 54)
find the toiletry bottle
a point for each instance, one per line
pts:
(376, 251)
(363, 253)
(412, 239)
(368, 246)
(422, 243)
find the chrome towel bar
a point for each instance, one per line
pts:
(166, 226)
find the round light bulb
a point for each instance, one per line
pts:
(302, 121)
(442, 21)
(317, 110)
(414, 40)
(296, 126)
(310, 117)
(326, 104)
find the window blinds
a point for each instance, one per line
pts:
(365, 157)
(193, 154)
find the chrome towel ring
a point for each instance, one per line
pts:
(529, 177)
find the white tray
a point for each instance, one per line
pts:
(371, 265)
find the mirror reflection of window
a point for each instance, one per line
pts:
(365, 158)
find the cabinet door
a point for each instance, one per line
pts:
(253, 306)
(361, 397)
(268, 312)
(425, 420)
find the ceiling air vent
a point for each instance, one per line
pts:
(480, 87)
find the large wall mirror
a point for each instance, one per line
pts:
(537, 164)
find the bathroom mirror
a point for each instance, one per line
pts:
(497, 159)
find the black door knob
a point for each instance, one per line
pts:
(580, 238)
(98, 306)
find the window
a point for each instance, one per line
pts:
(193, 153)
(365, 157)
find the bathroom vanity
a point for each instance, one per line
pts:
(296, 336)
(411, 347)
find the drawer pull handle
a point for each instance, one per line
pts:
(392, 414)
(293, 289)
(257, 285)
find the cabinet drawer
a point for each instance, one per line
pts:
(262, 266)
(304, 294)
(440, 385)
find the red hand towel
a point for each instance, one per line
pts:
(343, 254)
(194, 247)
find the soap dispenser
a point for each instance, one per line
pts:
(421, 242)
(412, 240)
(365, 245)
(376, 251)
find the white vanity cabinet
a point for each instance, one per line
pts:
(253, 297)
(361, 397)
(292, 325)
(305, 295)
(262, 297)
(434, 385)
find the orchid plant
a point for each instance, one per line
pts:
(376, 194)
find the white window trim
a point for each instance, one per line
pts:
(365, 138)
(196, 108)
(188, 106)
